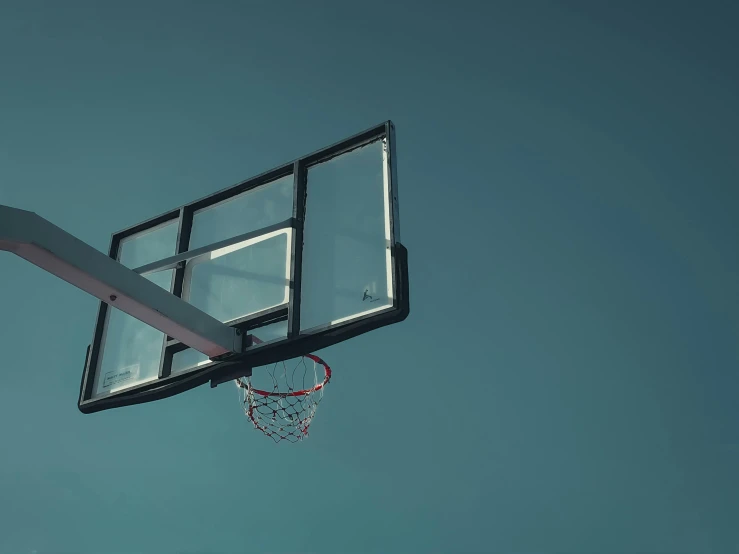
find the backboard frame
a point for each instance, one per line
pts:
(296, 344)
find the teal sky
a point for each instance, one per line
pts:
(567, 379)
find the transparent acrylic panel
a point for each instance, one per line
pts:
(268, 333)
(347, 265)
(247, 212)
(131, 349)
(189, 359)
(242, 279)
(149, 246)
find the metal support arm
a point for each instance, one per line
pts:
(54, 250)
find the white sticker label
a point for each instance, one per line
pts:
(119, 376)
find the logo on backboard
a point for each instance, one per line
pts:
(113, 378)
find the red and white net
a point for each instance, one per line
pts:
(281, 399)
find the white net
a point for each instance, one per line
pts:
(281, 399)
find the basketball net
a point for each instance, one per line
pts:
(286, 411)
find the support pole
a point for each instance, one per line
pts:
(42, 243)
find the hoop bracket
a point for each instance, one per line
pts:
(240, 370)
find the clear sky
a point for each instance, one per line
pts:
(567, 379)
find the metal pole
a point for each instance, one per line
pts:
(42, 243)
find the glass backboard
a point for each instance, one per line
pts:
(301, 257)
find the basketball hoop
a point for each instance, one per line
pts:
(286, 412)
